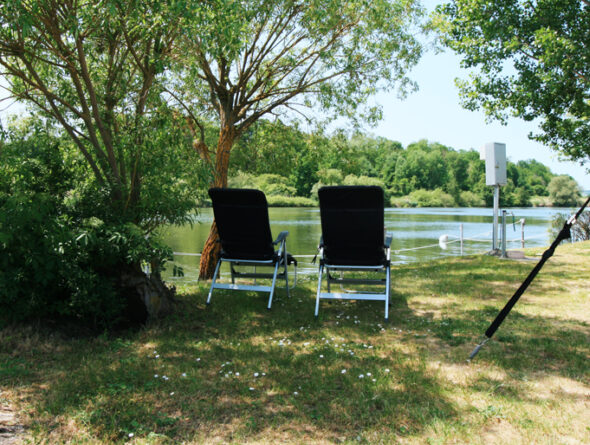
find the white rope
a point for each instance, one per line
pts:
(458, 239)
(416, 248)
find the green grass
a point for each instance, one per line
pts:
(530, 384)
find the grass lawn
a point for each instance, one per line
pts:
(235, 372)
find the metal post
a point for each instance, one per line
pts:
(461, 236)
(495, 226)
(522, 233)
(504, 234)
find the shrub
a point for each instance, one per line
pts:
(57, 263)
(56, 267)
(362, 180)
(334, 177)
(541, 201)
(471, 199)
(290, 201)
(402, 201)
(270, 184)
(564, 191)
(430, 198)
(580, 230)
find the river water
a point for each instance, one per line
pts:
(416, 233)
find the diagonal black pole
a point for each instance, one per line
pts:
(563, 234)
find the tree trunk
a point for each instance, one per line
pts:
(210, 254)
(212, 247)
(147, 296)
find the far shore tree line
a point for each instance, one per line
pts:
(290, 165)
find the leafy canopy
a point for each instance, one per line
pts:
(246, 59)
(94, 70)
(530, 59)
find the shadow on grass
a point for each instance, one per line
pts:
(236, 372)
(192, 377)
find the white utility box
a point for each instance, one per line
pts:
(495, 157)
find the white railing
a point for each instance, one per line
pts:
(443, 243)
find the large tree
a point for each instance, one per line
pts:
(244, 60)
(530, 59)
(94, 68)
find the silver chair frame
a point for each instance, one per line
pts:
(279, 261)
(376, 296)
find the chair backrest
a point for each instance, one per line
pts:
(242, 222)
(353, 227)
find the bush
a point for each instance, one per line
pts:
(57, 263)
(470, 199)
(564, 191)
(402, 201)
(425, 198)
(270, 184)
(580, 230)
(55, 267)
(290, 201)
(363, 180)
(541, 201)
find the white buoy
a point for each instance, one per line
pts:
(442, 241)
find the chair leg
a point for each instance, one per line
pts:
(317, 299)
(274, 280)
(387, 292)
(287, 279)
(213, 281)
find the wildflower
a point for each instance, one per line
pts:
(256, 374)
(321, 355)
(156, 376)
(184, 374)
(131, 434)
(361, 376)
(172, 393)
(343, 371)
(295, 393)
(251, 389)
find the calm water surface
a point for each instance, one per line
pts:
(416, 232)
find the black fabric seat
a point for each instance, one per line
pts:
(353, 239)
(244, 232)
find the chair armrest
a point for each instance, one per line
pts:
(388, 239)
(282, 236)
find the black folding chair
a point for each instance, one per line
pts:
(242, 222)
(353, 240)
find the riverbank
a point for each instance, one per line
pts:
(417, 199)
(234, 372)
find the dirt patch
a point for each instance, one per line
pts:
(11, 431)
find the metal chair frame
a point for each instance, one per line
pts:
(281, 260)
(376, 296)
